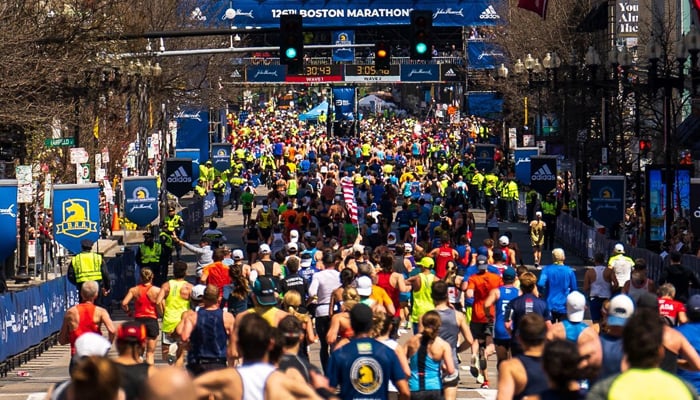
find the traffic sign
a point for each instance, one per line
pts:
(68, 141)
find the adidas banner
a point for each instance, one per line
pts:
(8, 217)
(607, 197)
(76, 214)
(141, 199)
(484, 157)
(178, 176)
(221, 156)
(451, 73)
(543, 174)
(522, 163)
(192, 154)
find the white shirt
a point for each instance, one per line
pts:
(322, 285)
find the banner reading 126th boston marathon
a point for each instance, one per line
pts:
(76, 212)
(325, 13)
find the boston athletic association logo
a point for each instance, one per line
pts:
(76, 219)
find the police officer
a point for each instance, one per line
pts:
(219, 187)
(174, 225)
(200, 191)
(531, 199)
(165, 238)
(549, 216)
(148, 256)
(88, 266)
(513, 197)
(206, 174)
(237, 183)
(475, 185)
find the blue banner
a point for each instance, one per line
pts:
(607, 199)
(484, 157)
(343, 54)
(193, 132)
(322, 13)
(8, 217)
(76, 214)
(221, 156)
(485, 104)
(192, 154)
(522, 163)
(266, 73)
(420, 72)
(141, 199)
(209, 204)
(484, 55)
(344, 101)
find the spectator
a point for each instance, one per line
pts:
(680, 276)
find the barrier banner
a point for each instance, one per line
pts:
(193, 216)
(344, 101)
(178, 172)
(695, 204)
(76, 211)
(607, 197)
(141, 199)
(8, 217)
(343, 54)
(484, 157)
(210, 204)
(227, 193)
(221, 156)
(543, 174)
(522, 163)
(193, 131)
(192, 154)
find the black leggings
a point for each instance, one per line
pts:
(323, 324)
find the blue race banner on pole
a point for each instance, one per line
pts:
(322, 13)
(485, 104)
(221, 156)
(192, 154)
(193, 132)
(484, 55)
(522, 163)
(76, 212)
(484, 157)
(607, 199)
(8, 217)
(209, 204)
(344, 101)
(342, 38)
(141, 199)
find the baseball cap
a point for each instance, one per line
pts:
(482, 262)
(503, 240)
(324, 169)
(538, 214)
(294, 235)
(364, 286)
(575, 306)
(358, 248)
(292, 246)
(86, 244)
(692, 308)
(621, 309)
(265, 249)
(198, 292)
(91, 344)
(264, 290)
(265, 208)
(426, 262)
(619, 248)
(306, 260)
(237, 254)
(132, 332)
(391, 239)
(374, 228)
(407, 248)
(509, 274)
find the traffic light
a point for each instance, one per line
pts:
(382, 55)
(644, 147)
(421, 26)
(292, 43)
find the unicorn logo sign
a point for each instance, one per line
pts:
(76, 221)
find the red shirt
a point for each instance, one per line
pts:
(444, 255)
(384, 282)
(217, 275)
(670, 308)
(143, 306)
(86, 323)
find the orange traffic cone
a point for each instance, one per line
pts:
(115, 219)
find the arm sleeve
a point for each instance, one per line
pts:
(193, 248)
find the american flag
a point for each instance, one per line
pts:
(349, 197)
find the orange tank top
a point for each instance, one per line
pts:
(86, 323)
(143, 306)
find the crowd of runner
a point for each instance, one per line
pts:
(363, 242)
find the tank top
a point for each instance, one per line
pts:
(254, 377)
(86, 323)
(384, 282)
(265, 220)
(132, 378)
(425, 372)
(670, 361)
(209, 338)
(636, 292)
(277, 242)
(444, 255)
(143, 306)
(506, 294)
(612, 355)
(449, 330)
(175, 305)
(573, 329)
(422, 298)
(600, 288)
(268, 314)
(536, 378)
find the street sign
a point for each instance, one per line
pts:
(68, 141)
(78, 155)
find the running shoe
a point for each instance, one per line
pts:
(473, 369)
(485, 385)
